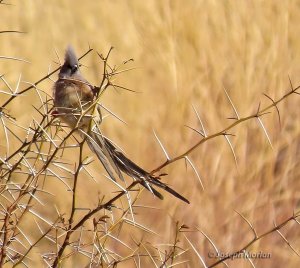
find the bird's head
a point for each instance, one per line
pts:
(70, 68)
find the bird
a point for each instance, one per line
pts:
(74, 103)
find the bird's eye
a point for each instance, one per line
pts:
(74, 68)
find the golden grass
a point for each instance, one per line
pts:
(185, 53)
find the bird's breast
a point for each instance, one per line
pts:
(71, 98)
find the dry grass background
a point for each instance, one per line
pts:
(185, 53)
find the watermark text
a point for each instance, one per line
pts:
(240, 255)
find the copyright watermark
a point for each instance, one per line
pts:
(240, 255)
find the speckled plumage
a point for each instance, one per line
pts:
(72, 96)
(72, 93)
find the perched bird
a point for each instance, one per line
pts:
(74, 102)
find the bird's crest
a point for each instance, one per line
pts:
(70, 56)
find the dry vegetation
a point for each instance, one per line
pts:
(186, 54)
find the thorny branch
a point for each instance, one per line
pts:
(294, 217)
(29, 155)
(223, 132)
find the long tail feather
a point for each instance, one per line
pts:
(115, 161)
(168, 189)
(96, 143)
(133, 170)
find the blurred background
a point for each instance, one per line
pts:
(185, 53)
